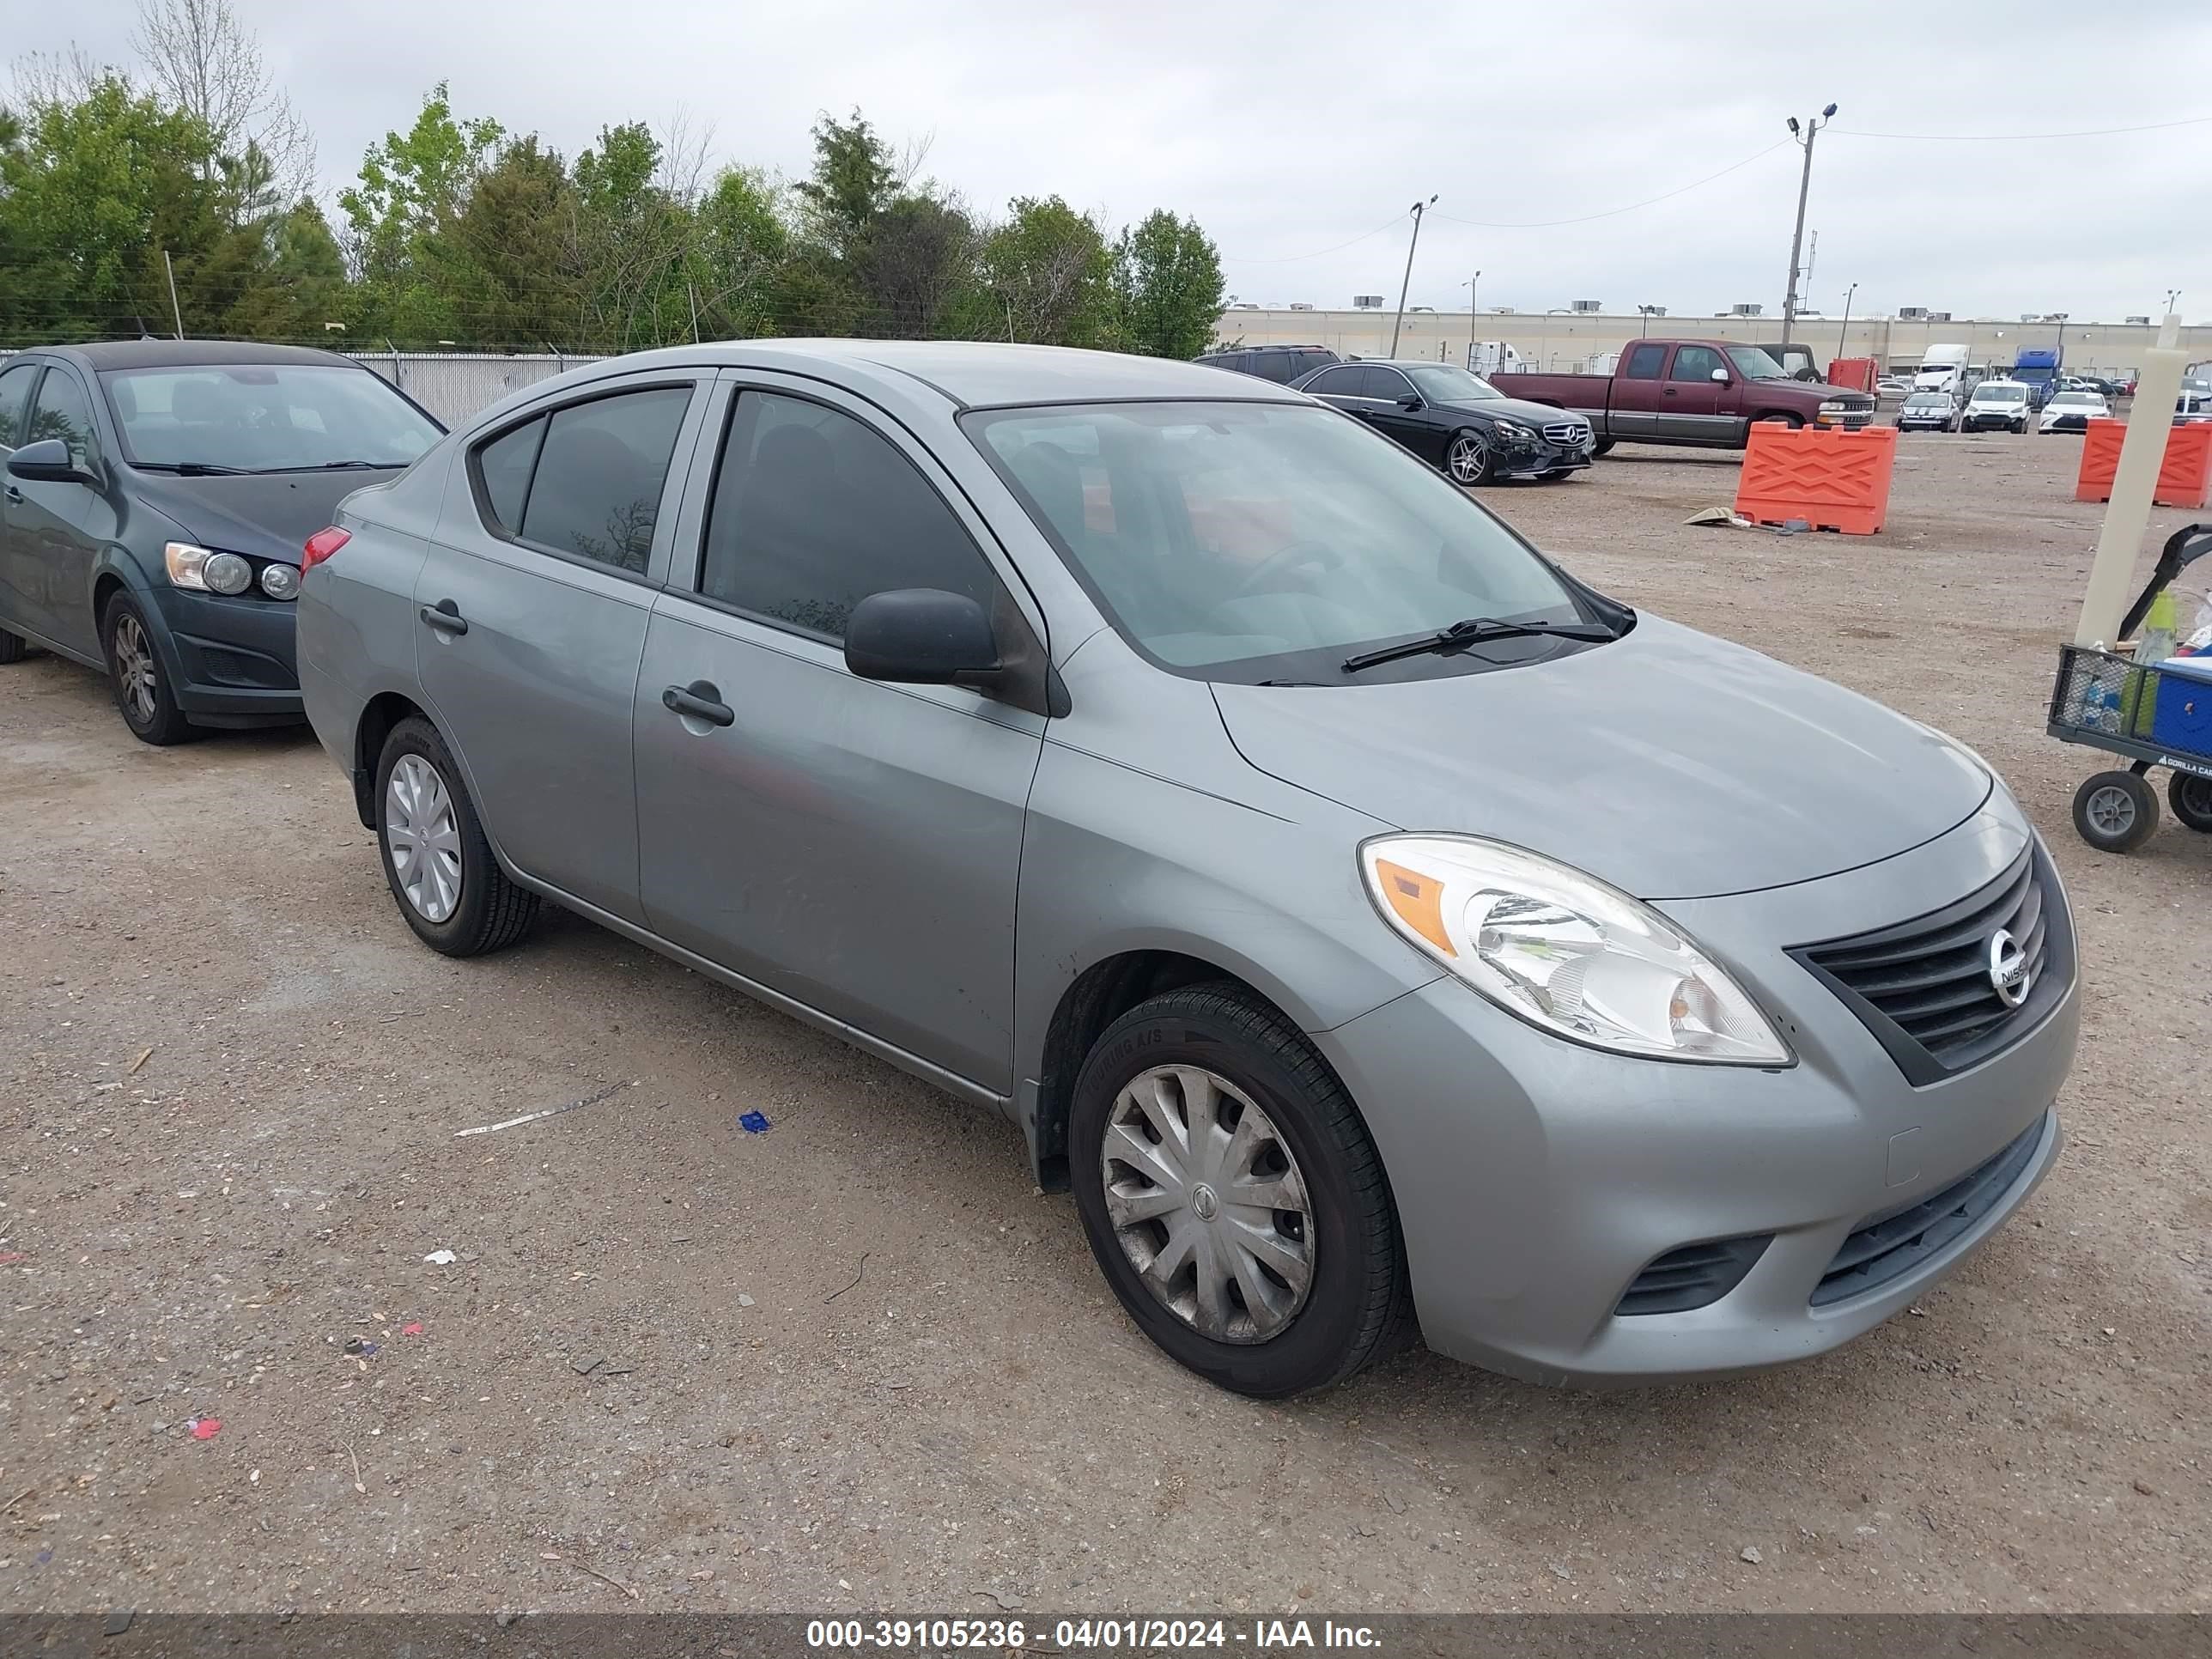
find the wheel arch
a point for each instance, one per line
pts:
(1093, 1000)
(378, 716)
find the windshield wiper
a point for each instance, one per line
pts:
(335, 466)
(1474, 631)
(188, 469)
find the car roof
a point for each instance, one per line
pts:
(104, 355)
(976, 374)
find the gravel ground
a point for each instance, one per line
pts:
(857, 1362)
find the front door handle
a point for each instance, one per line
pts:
(1667, 392)
(446, 616)
(700, 701)
(15, 494)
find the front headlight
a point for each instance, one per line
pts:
(1834, 408)
(1564, 952)
(1513, 432)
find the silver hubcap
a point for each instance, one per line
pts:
(134, 668)
(2112, 810)
(1208, 1203)
(424, 837)
(1465, 459)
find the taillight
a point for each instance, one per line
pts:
(320, 546)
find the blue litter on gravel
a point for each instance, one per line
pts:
(754, 1123)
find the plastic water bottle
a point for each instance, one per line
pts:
(2100, 708)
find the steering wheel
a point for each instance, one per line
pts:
(1288, 558)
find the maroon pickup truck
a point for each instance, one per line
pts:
(1700, 393)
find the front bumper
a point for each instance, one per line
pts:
(1539, 459)
(231, 661)
(1990, 423)
(1535, 1179)
(2067, 423)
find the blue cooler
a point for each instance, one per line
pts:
(2182, 718)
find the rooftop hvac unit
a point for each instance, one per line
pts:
(1501, 311)
(2031, 316)
(1586, 306)
(1301, 305)
(1752, 309)
(1912, 313)
(1939, 316)
(1367, 303)
(2142, 322)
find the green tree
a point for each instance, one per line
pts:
(303, 282)
(411, 188)
(738, 257)
(1050, 275)
(854, 179)
(1168, 287)
(508, 259)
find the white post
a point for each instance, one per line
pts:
(2143, 451)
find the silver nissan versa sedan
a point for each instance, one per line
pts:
(1367, 921)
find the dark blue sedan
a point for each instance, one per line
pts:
(156, 496)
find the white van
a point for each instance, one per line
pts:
(1996, 405)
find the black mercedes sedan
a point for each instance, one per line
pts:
(1456, 420)
(157, 495)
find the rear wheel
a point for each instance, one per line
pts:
(142, 687)
(1604, 447)
(439, 864)
(2190, 797)
(2115, 812)
(1232, 1197)
(1466, 457)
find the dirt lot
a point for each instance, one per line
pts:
(856, 1362)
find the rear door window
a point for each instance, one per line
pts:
(504, 467)
(586, 481)
(1643, 363)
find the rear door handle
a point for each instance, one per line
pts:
(446, 616)
(700, 700)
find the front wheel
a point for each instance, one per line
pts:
(439, 864)
(1467, 458)
(1790, 423)
(14, 647)
(2115, 812)
(1232, 1196)
(2190, 797)
(142, 694)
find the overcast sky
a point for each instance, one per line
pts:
(1290, 128)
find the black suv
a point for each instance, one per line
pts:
(1280, 363)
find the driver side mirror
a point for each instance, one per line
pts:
(1720, 377)
(1409, 400)
(48, 461)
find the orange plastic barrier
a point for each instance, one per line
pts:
(1832, 480)
(2185, 475)
(1856, 372)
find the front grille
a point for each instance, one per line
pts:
(1567, 432)
(1889, 1246)
(1926, 989)
(1695, 1276)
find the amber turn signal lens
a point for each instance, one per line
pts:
(1417, 900)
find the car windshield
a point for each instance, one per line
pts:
(2077, 397)
(1927, 400)
(1444, 383)
(1999, 394)
(264, 417)
(1755, 363)
(1250, 541)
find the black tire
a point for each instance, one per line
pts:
(14, 647)
(1604, 447)
(1475, 443)
(1357, 1303)
(491, 912)
(2190, 797)
(1794, 422)
(2115, 812)
(137, 676)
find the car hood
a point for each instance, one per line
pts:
(1668, 762)
(266, 514)
(1513, 409)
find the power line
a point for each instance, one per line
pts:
(1295, 259)
(2020, 137)
(1546, 224)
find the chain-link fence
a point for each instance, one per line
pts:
(455, 385)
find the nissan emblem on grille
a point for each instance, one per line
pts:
(2008, 968)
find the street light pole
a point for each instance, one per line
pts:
(1844, 339)
(1803, 137)
(1416, 209)
(1473, 314)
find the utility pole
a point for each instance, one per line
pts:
(175, 310)
(1473, 285)
(1416, 209)
(1803, 137)
(1844, 338)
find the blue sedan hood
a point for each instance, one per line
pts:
(1672, 764)
(267, 515)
